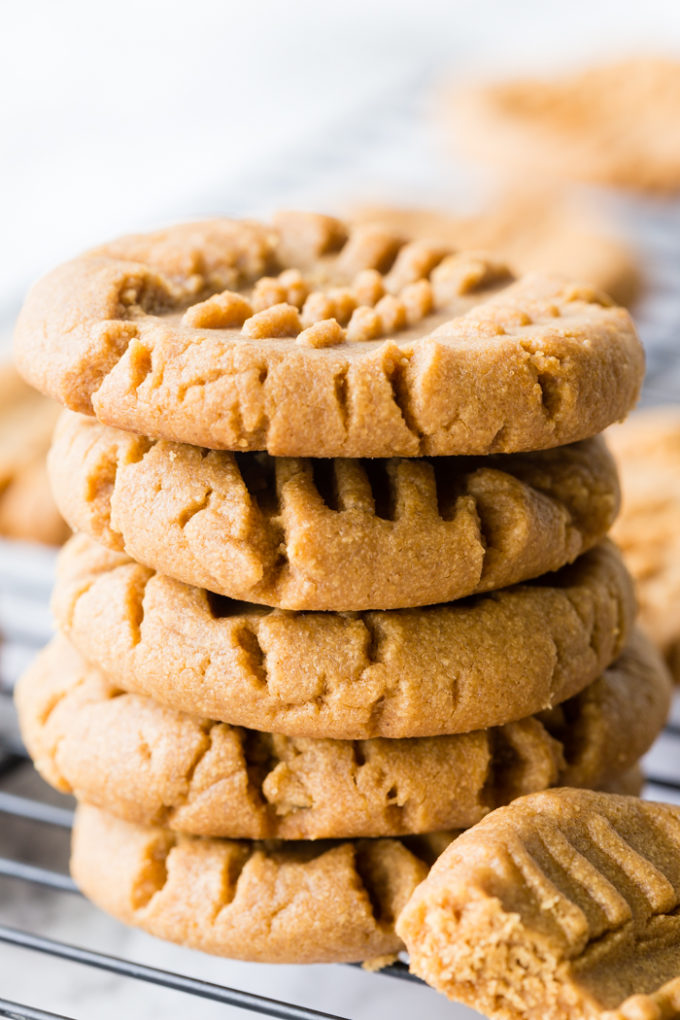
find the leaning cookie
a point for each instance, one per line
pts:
(307, 902)
(563, 906)
(647, 448)
(153, 765)
(612, 124)
(309, 338)
(339, 534)
(398, 673)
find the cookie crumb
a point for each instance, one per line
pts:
(368, 287)
(221, 311)
(279, 320)
(326, 333)
(418, 300)
(365, 324)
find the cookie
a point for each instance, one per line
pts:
(309, 902)
(399, 673)
(342, 535)
(308, 339)
(531, 230)
(611, 124)
(156, 766)
(648, 452)
(27, 419)
(563, 906)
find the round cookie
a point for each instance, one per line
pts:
(612, 124)
(341, 534)
(398, 673)
(311, 339)
(647, 449)
(563, 905)
(307, 902)
(27, 420)
(156, 766)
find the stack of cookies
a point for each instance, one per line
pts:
(341, 584)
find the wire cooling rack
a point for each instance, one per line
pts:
(387, 127)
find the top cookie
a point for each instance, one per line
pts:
(309, 339)
(613, 124)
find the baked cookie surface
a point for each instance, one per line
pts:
(305, 340)
(530, 230)
(563, 905)
(341, 534)
(647, 449)
(308, 902)
(612, 124)
(399, 673)
(27, 420)
(152, 765)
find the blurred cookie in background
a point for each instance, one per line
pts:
(613, 124)
(27, 510)
(647, 448)
(540, 230)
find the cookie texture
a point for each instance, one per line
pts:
(321, 902)
(27, 419)
(562, 905)
(311, 339)
(648, 452)
(342, 534)
(401, 673)
(153, 765)
(539, 230)
(610, 124)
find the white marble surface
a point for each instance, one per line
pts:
(120, 117)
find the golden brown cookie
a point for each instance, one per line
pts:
(611, 124)
(400, 673)
(27, 419)
(153, 765)
(307, 902)
(648, 452)
(309, 339)
(342, 534)
(531, 230)
(562, 906)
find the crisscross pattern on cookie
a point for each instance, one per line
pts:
(411, 672)
(333, 534)
(572, 905)
(309, 902)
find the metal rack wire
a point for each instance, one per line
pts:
(25, 580)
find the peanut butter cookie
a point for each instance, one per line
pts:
(153, 765)
(308, 902)
(562, 906)
(27, 419)
(308, 338)
(612, 124)
(398, 673)
(648, 452)
(341, 534)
